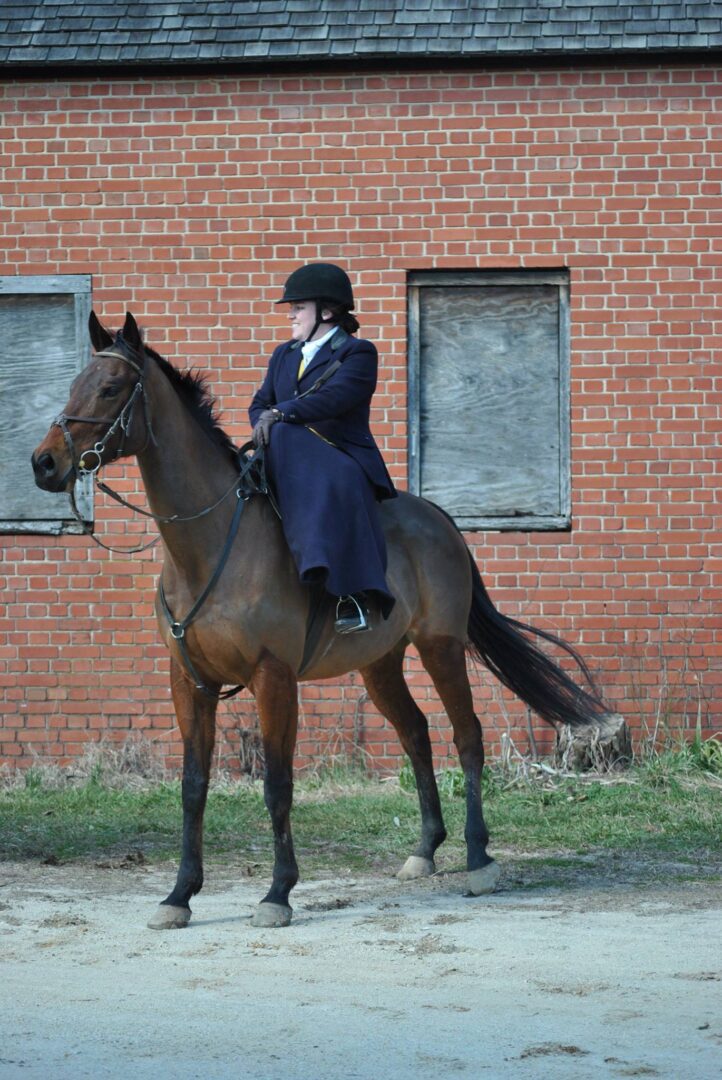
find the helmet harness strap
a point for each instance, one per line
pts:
(320, 321)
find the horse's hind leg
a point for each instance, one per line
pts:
(445, 660)
(388, 690)
(196, 714)
(275, 690)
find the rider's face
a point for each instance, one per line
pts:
(302, 314)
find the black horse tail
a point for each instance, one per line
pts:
(504, 646)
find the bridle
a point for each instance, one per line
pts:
(122, 421)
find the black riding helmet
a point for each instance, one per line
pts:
(318, 281)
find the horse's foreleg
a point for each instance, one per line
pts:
(445, 660)
(275, 690)
(196, 714)
(387, 689)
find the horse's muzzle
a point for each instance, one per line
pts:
(50, 475)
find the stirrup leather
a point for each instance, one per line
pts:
(354, 622)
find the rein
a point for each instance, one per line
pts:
(250, 481)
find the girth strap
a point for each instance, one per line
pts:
(320, 603)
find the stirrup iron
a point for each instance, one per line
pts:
(350, 624)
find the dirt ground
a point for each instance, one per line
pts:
(373, 979)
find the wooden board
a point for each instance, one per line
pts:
(492, 408)
(40, 358)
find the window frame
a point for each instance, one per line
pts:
(79, 286)
(416, 281)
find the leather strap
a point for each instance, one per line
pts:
(319, 604)
(178, 627)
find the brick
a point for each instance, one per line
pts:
(190, 200)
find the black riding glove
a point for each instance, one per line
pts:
(262, 430)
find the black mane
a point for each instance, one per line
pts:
(192, 388)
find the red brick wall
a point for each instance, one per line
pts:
(189, 200)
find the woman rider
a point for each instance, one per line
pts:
(312, 416)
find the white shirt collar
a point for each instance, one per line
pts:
(310, 348)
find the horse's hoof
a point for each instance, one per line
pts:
(272, 915)
(484, 880)
(416, 866)
(168, 917)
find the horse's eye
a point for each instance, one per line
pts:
(110, 391)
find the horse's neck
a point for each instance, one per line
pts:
(184, 472)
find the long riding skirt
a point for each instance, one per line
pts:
(329, 514)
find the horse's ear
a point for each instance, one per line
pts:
(131, 333)
(99, 336)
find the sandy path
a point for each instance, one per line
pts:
(374, 979)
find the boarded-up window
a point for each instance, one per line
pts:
(44, 336)
(489, 397)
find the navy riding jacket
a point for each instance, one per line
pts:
(339, 409)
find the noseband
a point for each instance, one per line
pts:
(122, 421)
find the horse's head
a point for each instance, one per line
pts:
(102, 420)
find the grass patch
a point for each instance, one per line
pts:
(347, 822)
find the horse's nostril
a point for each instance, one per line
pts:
(45, 464)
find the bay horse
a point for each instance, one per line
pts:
(252, 628)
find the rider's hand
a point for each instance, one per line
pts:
(262, 430)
